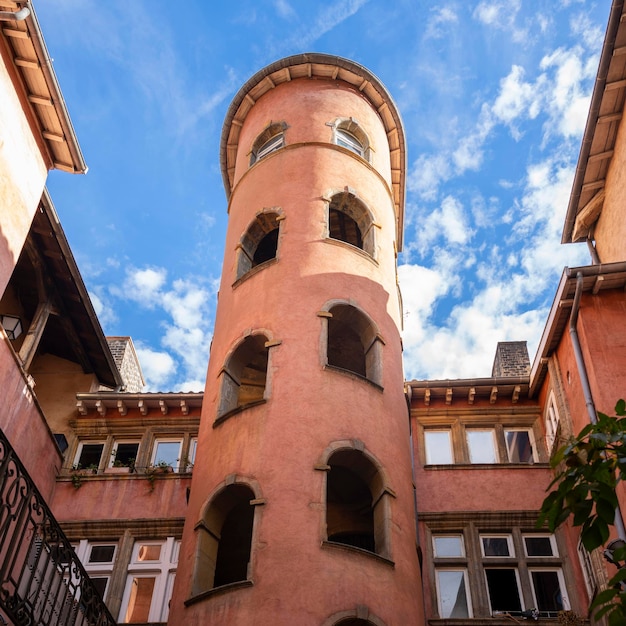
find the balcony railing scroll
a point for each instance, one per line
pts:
(42, 582)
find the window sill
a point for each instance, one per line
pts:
(216, 591)
(352, 374)
(333, 545)
(254, 270)
(222, 418)
(483, 466)
(485, 621)
(345, 244)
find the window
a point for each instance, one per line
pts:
(482, 446)
(438, 447)
(351, 222)
(587, 568)
(513, 570)
(224, 539)
(98, 560)
(271, 139)
(356, 513)
(452, 595)
(348, 134)
(168, 451)
(149, 583)
(259, 243)
(519, 445)
(244, 375)
(552, 421)
(89, 454)
(124, 454)
(353, 343)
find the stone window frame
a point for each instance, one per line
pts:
(260, 226)
(263, 146)
(382, 496)
(352, 127)
(362, 613)
(518, 527)
(373, 344)
(229, 379)
(358, 211)
(499, 424)
(207, 541)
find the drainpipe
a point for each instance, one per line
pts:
(595, 259)
(584, 381)
(18, 16)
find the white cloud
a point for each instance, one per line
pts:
(158, 367)
(106, 314)
(440, 17)
(501, 15)
(143, 285)
(284, 9)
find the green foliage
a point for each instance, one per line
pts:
(590, 468)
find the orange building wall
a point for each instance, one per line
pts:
(22, 175)
(279, 443)
(610, 229)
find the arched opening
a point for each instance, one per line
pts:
(348, 134)
(350, 221)
(259, 243)
(244, 375)
(355, 508)
(271, 139)
(224, 539)
(353, 343)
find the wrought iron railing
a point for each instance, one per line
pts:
(42, 582)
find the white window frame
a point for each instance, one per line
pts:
(468, 595)
(116, 443)
(552, 421)
(458, 536)
(531, 438)
(79, 451)
(494, 443)
(100, 569)
(515, 568)
(346, 139)
(162, 570)
(273, 143)
(509, 541)
(448, 431)
(553, 545)
(587, 568)
(154, 459)
(559, 572)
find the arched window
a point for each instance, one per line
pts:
(272, 138)
(259, 243)
(353, 343)
(349, 134)
(224, 539)
(350, 221)
(357, 508)
(244, 375)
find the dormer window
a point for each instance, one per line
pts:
(348, 140)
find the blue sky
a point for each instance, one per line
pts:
(493, 95)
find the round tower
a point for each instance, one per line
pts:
(301, 508)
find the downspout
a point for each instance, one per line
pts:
(584, 381)
(18, 16)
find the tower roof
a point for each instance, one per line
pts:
(330, 67)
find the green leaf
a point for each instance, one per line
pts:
(595, 534)
(582, 511)
(620, 407)
(605, 510)
(603, 597)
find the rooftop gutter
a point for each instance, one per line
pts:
(592, 118)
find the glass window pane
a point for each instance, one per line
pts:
(481, 446)
(167, 452)
(140, 599)
(496, 546)
(124, 454)
(438, 448)
(100, 583)
(503, 589)
(547, 590)
(90, 455)
(452, 594)
(447, 546)
(538, 546)
(149, 552)
(102, 554)
(519, 446)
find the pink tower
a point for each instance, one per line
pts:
(301, 508)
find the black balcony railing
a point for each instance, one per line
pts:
(42, 582)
